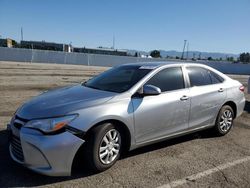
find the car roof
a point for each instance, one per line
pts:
(156, 64)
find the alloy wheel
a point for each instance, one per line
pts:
(226, 121)
(110, 146)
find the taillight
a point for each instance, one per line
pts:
(242, 88)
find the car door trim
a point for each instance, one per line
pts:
(174, 135)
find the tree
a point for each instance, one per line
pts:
(230, 59)
(245, 57)
(210, 59)
(155, 54)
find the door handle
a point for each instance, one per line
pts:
(221, 90)
(184, 98)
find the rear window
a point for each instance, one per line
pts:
(216, 78)
(198, 76)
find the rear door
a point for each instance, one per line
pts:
(207, 96)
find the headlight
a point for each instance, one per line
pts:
(50, 125)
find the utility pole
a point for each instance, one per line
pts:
(187, 50)
(113, 41)
(32, 54)
(21, 33)
(185, 41)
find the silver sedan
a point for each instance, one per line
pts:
(124, 108)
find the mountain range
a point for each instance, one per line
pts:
(191, 54)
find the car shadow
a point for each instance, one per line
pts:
(247, 107)
(204, 134)
(15, 175)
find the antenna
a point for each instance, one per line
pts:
(182, 55)
(21, 33)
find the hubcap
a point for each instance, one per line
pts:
(226, 120)
(110, 146)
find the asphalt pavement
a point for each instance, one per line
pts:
(196, 160)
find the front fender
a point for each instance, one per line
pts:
(121, 111)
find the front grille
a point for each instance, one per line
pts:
(19, 122)
(16, 148)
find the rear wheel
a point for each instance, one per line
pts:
(103, 147)
(224, 121)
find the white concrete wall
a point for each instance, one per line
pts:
(43, 56)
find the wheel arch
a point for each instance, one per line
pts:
(233, 106)
(121, 125)
(124, 131)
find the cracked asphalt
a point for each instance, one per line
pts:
(150, 166)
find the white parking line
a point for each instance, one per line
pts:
(204, 173)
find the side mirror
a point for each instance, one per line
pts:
(150, 90)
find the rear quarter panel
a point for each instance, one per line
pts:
(235, 95)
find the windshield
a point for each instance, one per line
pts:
(118, 79)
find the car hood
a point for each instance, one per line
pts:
(59, 102)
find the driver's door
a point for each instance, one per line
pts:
(161, 115)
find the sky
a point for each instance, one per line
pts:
(208, 25)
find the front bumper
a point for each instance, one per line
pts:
(46, 154)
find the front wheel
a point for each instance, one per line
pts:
(224, 121)
(103, 147)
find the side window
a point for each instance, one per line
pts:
(216, 78)
(168, 79)
(199, 76)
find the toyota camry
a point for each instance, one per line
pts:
(123, 108)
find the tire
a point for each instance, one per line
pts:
(103, 147)
(224, 121)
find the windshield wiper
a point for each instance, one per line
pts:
(84, 83)
(93, 87)
(98, 88)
